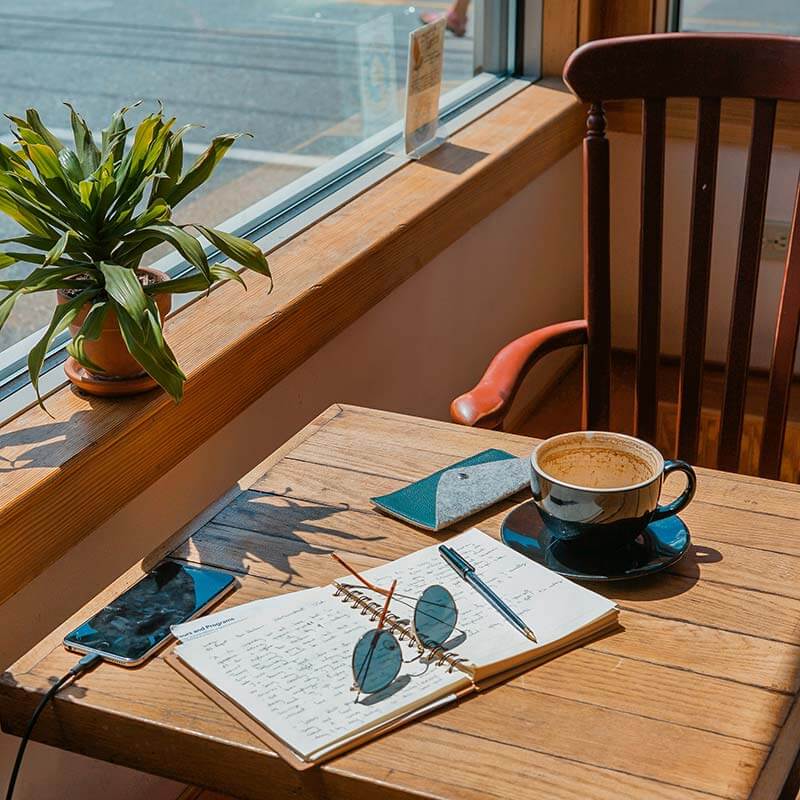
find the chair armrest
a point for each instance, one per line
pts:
(487, 404)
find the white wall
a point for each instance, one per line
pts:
(626, 177)
(413, 352)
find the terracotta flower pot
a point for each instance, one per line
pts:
(122, 373)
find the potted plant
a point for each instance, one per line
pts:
(90, 214)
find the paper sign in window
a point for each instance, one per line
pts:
(424, 85)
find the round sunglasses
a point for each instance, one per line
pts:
(377, 656)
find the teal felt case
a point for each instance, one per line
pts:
(457, 491)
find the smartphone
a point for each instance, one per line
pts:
(131, 628)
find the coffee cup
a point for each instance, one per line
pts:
(602, 489)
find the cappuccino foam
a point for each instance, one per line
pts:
(598, 461)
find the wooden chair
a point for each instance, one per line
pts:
(653, 68)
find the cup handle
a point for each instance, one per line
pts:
(680, 502)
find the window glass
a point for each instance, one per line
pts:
(308, 78)
(765, 16)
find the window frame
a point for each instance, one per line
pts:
(673, 16)
(271, 221)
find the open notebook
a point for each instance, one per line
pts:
(286, 661)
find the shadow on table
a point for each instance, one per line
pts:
(275, 534)
(677, 580)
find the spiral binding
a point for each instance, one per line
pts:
(359, 600)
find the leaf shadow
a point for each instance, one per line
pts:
(261, 533)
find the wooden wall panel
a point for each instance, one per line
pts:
(602, 19)
(737, 115)
(559, 34)
(708, 441)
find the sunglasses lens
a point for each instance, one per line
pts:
(376, 661)
(435, 616)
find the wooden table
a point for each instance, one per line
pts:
(695, 698)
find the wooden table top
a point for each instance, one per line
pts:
(695, 698)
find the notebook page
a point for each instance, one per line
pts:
(291, 671)
(552, 606)
(213, 623)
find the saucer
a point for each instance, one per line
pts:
(659, 546)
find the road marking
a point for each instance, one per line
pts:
(264, 156)
(237, 153)
(315, 20)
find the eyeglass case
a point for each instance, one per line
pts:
(457, 491)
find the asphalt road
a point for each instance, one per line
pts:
(285, 70)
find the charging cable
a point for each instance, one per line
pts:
(84, 665)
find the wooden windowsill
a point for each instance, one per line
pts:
(94, 455)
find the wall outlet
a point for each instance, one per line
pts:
(776, 239)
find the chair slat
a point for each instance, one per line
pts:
(745, 288)
(597, 278)
(650, 247)
(783, 357)
(700, 236)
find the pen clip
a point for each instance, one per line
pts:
(456, 560)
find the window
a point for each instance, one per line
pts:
(319, 84)
(767, 16)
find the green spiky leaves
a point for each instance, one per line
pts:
(91, 210)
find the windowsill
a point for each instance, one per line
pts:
(63, 476)
(271, 220)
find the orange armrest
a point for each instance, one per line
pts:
(487, 404)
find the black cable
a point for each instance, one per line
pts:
(84, 665)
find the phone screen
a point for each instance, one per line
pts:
(140, 618)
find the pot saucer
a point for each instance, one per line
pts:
(106, 387)
(660, 545)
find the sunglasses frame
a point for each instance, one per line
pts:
(416, 641)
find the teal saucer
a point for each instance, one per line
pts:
(660, 545)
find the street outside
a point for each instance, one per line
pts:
(291, 72)
(742, 16)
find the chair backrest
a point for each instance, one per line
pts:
(707, 67)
